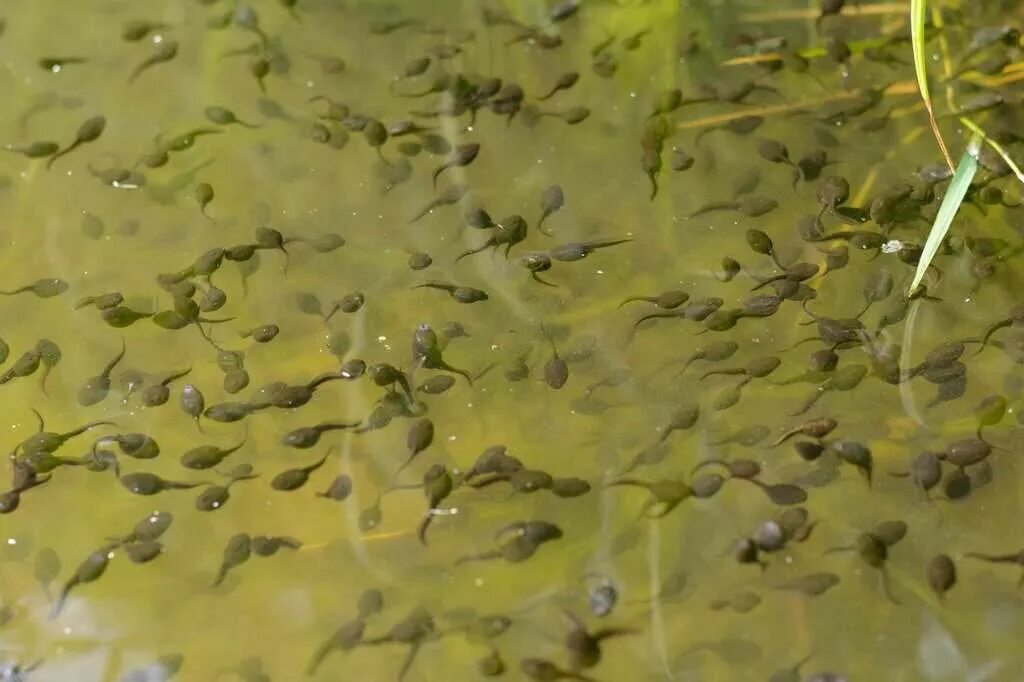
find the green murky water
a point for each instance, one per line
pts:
(732, 572)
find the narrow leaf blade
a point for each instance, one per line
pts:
(917, 17)
(965, 172)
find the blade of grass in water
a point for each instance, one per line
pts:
(976, 129)
(947, 211)
(917, 15)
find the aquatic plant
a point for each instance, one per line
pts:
(966, 169)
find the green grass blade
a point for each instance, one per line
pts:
(947, 211)
(917, 18)
(976, 129)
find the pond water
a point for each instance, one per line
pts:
(614, 295)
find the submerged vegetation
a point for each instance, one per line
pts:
(553, 340)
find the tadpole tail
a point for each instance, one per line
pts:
(472, 252)
(784, 437)
(634, 299)
(605, 243)
(650, 510)
(798, 176)
(995, 558)
(546, 283)
(85, 427)
(540, 224)
(287, 259)
(714, 206)
(63, 152)
(798, 172)
(818, 392)
(403, 381)
(427, 209)
(421, 530)
(202, 332)
(1002, 324)
(455, 370)
(652, 316)
(686, 365)
(437, 173)
(245, 285)
(483, 556)
(886, 589)
(113, 363)
(606, 633)
(634, 464)
(707, 463)
(319, 656)
(323, 379)
(175, 376)
(837, 550)
(333, 426)
(179, 485)
(715, 372)
(493, 478)
(42, 381)
(222, 573)
(39, 418)
(414, 649)
(58, 606)
(801, 342)
(637, 483)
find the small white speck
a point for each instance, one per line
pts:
(892, 246)
(12, 541)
